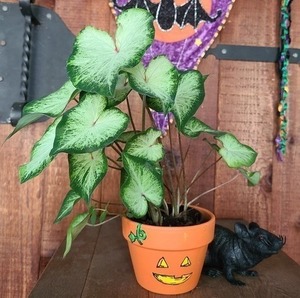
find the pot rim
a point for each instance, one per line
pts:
(171, 238)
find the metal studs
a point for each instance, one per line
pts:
(224, 51)
(2, 42)
(5, 8)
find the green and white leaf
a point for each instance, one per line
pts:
(155, 104)
(252, 177)
(96, 60)
(159, 80)
(143, 184)
(54, 104)
(89, 126)
(121, 92)
(67, 205)
(86, 170)
(40, 156)
(24, 121)
(234, 153)
(76, 226)
(189, 97)
(146, 146)
(127, 135)
(194, 127)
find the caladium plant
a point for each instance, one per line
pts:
(103, 72)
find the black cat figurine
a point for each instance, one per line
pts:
(238, 251)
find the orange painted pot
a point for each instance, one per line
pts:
(168, 260)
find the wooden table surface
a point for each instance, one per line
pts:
(99, 266)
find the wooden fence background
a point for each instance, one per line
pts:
(241, 97)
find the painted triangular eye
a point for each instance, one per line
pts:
(186, 262)
(162, 263)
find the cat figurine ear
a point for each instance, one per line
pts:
(184, 29)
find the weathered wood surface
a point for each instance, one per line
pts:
(241, 97)
(248, 98)
(103, 269)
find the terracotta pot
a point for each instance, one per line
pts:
(168, 260)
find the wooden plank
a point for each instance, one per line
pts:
(111, 268)
(66, 277)
(78, 14)
(21, 216)
(285, 174)
(200, 151)
(252, 23)
(247, 106)
(110, 272)
(246, 109)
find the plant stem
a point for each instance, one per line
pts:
(104, 222)
(210, 190)
(176, 196)
(155, 214)
(198, 174)
(130, 114)
(144, 113)
(119, 146)
(166, 207)
(115, 168)
(183, 173)
(114, 162)
(116, 149)
(173, 197)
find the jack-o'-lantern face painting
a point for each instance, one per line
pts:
(168, 277)
(175, 20)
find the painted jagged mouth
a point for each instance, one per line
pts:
(172, 279)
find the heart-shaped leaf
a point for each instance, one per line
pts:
(86, 171)
(96, 59)
(194, 127)
(53, 104)
(67, 205)
(234, 153)
(143, 184)
(159, 80)
(40, 156)
(89, 126)
(189, 96)
(252, 177)
(145, 145)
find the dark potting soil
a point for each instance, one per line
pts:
(189, 218)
